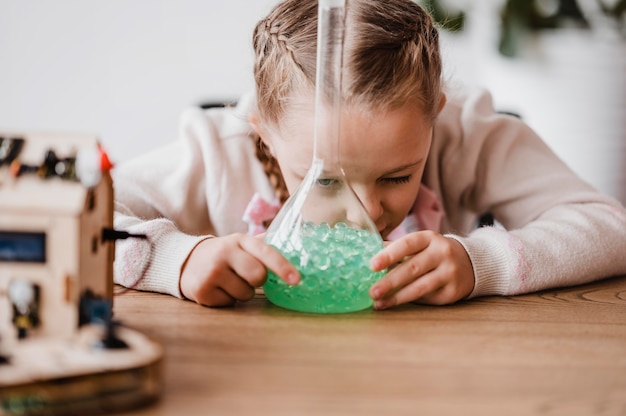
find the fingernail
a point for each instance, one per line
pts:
(293, 278)
(379, 304)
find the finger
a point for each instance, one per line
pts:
(396, 251)
(442, 296)
(215, 297)
(236, 287)
(272, 259)
(402, 275)
(417, 290)
(249, 268)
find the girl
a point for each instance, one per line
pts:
(425, 161)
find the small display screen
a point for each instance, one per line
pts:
(16, 246)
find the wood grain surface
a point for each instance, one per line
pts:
(558, 352)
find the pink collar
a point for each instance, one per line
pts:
(426, 214)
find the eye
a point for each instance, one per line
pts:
(327, 182)
(397, 180)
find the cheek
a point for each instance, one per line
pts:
(398, 203)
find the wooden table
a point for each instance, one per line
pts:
(560, 352)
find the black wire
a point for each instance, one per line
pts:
(111, 234)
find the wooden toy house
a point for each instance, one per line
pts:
(53, 260)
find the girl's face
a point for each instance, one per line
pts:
(382, 154)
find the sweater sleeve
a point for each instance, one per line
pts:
(567, 245)
(557, 230)
(155, 263)
(161, 194)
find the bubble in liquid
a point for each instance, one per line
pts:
(336, 278)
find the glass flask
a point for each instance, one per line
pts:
(323, 228)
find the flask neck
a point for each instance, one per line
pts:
(328, 92)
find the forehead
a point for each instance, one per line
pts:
(369, 139)
(389, 133)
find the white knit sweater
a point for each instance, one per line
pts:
(556, 229)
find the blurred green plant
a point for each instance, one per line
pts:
(519, 18)
(443, 17)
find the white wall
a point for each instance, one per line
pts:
(121, 69)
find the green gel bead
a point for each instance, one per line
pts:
(336, 280)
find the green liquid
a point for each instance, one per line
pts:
(334, 266)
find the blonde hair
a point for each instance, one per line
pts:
(391, 57)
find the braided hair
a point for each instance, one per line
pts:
(272, 170)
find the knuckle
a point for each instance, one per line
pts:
(415, 268)
(267, 251)
(234, 240)
(405, 244)
(451, 269)
(447, 248)
(412, 242)
(444, 248)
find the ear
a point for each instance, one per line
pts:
(255, 121)
(442, 103)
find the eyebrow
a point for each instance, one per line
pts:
(404, 167)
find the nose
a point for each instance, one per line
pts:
(371, 202)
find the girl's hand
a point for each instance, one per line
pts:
(223, 270)
(433, 269)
